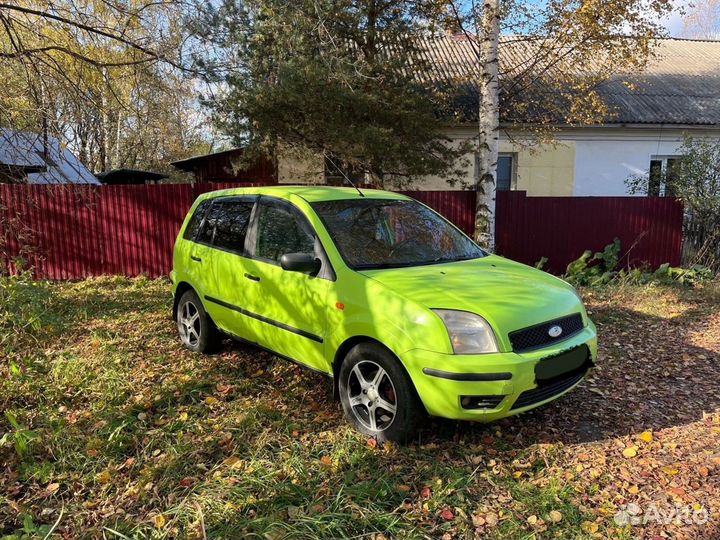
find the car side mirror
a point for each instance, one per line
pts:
(306, 263)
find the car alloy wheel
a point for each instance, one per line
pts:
(189, 324)
(372, 396)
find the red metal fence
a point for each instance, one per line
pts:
(561, 228)
(73, 232)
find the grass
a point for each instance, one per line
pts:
(132, 436)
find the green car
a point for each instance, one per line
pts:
(376, 290)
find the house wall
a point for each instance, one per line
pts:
(606, 158)
(589, 161)
(539, 170)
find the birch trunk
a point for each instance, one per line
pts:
(489, 126)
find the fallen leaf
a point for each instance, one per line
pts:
(404, 488)
(532, 520)
(426, 492)
(555, 516)
(159, 521)
(372, 443)
(491, 518)
(183, 416)
(646, 436)
(670, 471)
(103, 477)
(630, 452)
(447, 515)
(326, 460)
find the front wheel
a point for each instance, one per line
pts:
(377, 395)
(197, 331)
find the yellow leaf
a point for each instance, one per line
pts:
(646, 436)
(104, 477)
(183, 417)
(670, 471)
(633, 489)
(630, 451)
(159, 521)
(589, 527)
(211, 400)
(555, 516)
(233, 462)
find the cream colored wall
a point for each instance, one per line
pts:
(547, 170)
(539, 170)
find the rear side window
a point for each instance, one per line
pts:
(226, 224)
(195, 221)
(281, 231)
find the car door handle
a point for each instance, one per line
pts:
(195, 258)
(251, 277)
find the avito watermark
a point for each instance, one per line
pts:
(678, 514)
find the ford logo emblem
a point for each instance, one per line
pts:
(555, 331)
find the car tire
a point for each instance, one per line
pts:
(196, 329)
(377, 395)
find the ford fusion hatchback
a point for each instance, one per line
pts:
(404, 311)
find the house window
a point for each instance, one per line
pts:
(506, 172)
(661, 169)
(506, 180)
(334, 170)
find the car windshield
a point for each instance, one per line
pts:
(381, 233)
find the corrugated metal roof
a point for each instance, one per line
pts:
(28, 150)
(680, 84)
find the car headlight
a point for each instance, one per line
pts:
(469, 333)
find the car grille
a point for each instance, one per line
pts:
(537, 336)
(536, 395)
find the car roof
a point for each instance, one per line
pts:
(309, 193)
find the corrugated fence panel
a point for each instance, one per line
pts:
(457, 206)
(561, 228)
(72, 232)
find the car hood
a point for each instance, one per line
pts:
(507, 294)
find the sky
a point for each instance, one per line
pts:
(674, 23)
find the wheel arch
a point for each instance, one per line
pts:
(346, 346)
(181, 289)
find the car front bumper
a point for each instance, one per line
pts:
(495, 385)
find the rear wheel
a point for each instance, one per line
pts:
(377, 395)
(197, 331)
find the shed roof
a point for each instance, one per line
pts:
(52, 163)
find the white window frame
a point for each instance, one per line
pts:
(663, 159)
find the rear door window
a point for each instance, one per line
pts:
(193, 225)
(226, 224)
